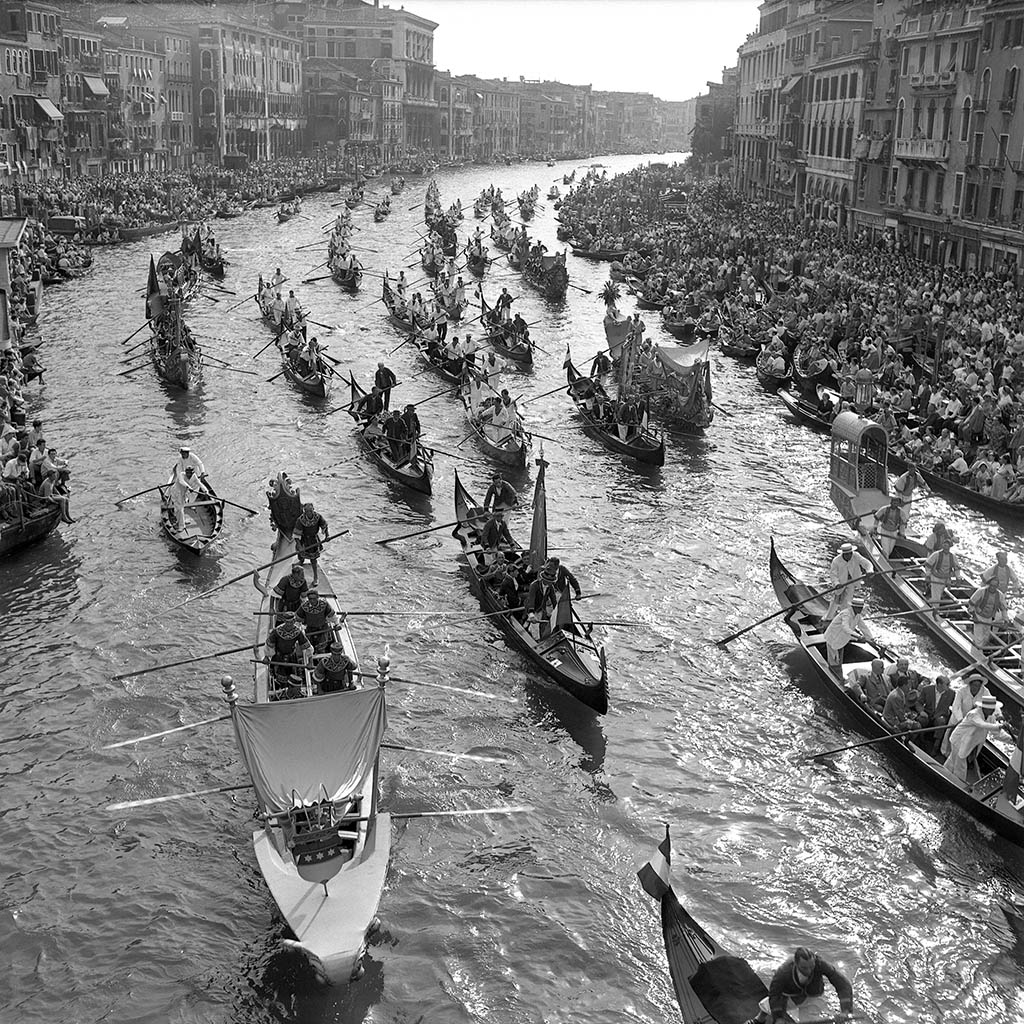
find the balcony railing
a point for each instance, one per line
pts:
(936, 150)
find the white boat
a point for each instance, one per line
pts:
(324, 845)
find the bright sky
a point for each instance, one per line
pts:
(668, 47)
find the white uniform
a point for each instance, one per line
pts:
(181, 490)
(967, 737)
(843, 570)
(189, 461)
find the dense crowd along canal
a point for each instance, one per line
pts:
(162, 915)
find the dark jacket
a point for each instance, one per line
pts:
(784, 985)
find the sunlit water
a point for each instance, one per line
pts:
(162, 915)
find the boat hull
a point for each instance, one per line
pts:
(330, 928)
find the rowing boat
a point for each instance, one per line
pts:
(308, 379)
(770, 380)
(508, 444)
(604, 255)
(204, 519)
(640, 442)
(314, 763)
(985, 802)
(350, 279)
(567, 655)
(711, 985)
(415, 470)
(34, 521)
(477, 262)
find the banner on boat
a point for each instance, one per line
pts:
(682, 359)
(301, 751)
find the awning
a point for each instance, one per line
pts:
(791, 84)
(48, 108)
(95, 86)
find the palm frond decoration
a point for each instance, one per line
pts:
(610, 294)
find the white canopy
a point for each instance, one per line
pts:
(681, 359)
(295, 750)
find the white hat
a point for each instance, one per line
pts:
(847, 549)
(988, 701)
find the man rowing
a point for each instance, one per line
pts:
(183, 485)
(335, 672)
(987, 606)
(889, 525)
(848, 567)
(186, 460)
(797, 990)
(309, 526)
(317, 617)
(501, 495)
(287, 646)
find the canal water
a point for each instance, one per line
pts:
(161, 915)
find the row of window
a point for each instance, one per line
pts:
(944, 57)
(835, 87)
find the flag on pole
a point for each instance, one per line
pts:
(655, 874)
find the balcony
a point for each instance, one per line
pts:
(40, 75)
(922, 150)
(207, 120)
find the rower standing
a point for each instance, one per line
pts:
(501, 495)
(183, 485)
(846, 568)
(889, 526)
(904, 486)
(987, 606)
(310, 525)
(1004, 576)
(385, 379)
(941, 568)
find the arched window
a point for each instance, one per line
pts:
(965, 119)
(916, 127)
(444, 95)
(207, 102)
(900, 111)
(947, 119)
(1011, 85)
(986, 88)
(931, 120)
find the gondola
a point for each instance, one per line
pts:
(204, 519)
(770, 380)
(477, 262)
(738, 345)
(416, 473)
(502, 443)
(650, 305)
(988, 804)
(679, 324)
(316, 383)
(567, 656)
(803, 411)
(350, 279)
(646, 446)
(502, 338)
(603, 255)
(807, 376)
(323, 844)
(283, 215)
(711, 985)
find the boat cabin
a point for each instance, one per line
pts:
(858, 466)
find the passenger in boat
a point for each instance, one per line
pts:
(335, 673)
(846, 568)
(869, 685)
(1003, 574)
(501, 577)
(495, 536)
(987, 606)
(501, 496)
(385, 380)
(937, 702)
(310, 525)
(901, 711)
(978, 726)
(941, 568)
(797, 990)
(317, 618)
(397, 437)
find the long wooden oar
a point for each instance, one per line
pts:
(165, 732)
(265, 347)
(132, 335)
(243, 302)
(138, 344)
(821, 593)
(148, 490)
(866, 743)
(445, 753)
(187, 661)
(418, 533)
(125, 805)
(234, 369)
(234, 504)
(124, 373)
